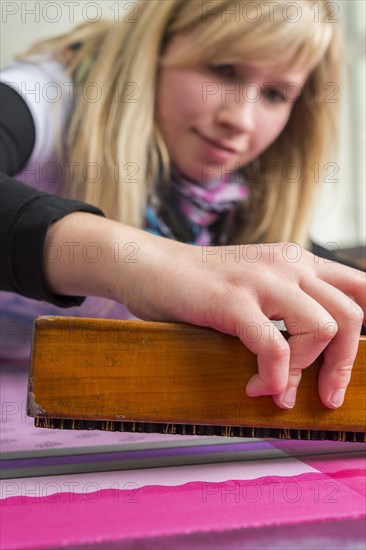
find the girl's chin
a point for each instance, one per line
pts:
(191, 175)
(208, 172)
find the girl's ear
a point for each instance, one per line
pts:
(165, 43)
(67, 54)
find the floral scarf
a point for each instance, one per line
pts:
(195, 213)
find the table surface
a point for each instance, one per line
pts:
(254, 494)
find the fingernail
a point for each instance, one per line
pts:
(337, 398)
(289, 398)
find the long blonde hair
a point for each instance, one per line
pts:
(119, 133)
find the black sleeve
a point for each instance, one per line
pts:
(26, 213)
(17, 131)
(322, 252)
(332, 255)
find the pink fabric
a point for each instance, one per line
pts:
(336, 492)
(347, 468)
(331, 488)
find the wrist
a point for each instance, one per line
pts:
(78, 255)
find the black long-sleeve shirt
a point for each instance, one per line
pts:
(26, 213)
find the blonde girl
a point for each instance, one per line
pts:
(221, 110)
(123, 61)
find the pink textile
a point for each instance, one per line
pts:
(335, 492)
(110, 515)
(298, 486)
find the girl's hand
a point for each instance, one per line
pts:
(239, 289)
(233, 289)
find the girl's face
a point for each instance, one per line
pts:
(216, 119)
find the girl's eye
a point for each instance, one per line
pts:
(273, 96)
(227, 71)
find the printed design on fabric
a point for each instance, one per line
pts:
(195, 213)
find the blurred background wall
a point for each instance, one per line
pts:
(340, 215)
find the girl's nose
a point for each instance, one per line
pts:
(237, 114)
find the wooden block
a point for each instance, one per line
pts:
(169, 373)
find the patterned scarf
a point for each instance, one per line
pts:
(195, 213)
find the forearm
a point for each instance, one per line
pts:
(87, 255)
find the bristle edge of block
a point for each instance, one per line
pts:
(199, 429)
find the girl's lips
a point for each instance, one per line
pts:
(216, 149)
(219, 144)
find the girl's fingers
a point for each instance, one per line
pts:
(280, 362)
(263, 339)
(351, 282)
(303, 317)
(304, 350)
(338, 332)
(340, 353)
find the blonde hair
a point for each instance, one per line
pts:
(120, 129)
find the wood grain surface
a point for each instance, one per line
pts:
(163, 372)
